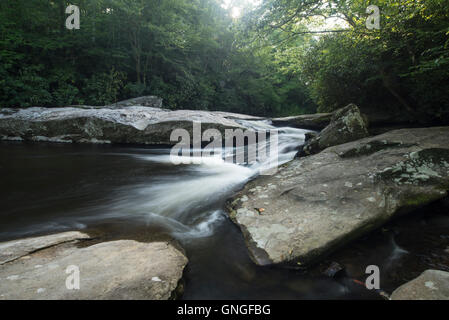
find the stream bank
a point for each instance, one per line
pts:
(125, 192)
(54, 188)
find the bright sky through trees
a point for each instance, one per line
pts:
(236, 7)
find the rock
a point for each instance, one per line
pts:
(237, 116)
(134, 124)
(335, 270)
(13, 250)
(317, 121)
(309, 136)
(316, 204)
(122, 269)
(346, 125)
(146, 101)
(380, 121)
(430, 285)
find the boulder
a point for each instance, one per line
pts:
(13, 250)
(317, 121)
(316, 204)
(380, 121)
(122, 269)
(309, 136)
(430, 285)
(133, 125)
(346, 125)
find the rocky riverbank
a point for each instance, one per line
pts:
(345, 185)
(316, 204)
(129, 122)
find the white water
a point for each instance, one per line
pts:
(183, 206)
(184, 200)
(396, 253)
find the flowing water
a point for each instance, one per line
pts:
(118, 192)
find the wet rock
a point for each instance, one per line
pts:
(316, 121)
(133, 124)
(110, 270)
(335, 270)
(316, 204)
(430, 285)
(309, 136)
(346, 125)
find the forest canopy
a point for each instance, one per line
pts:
(262, 57)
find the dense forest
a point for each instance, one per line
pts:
(266, 57)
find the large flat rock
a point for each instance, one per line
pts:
(430, 285)
(13, 250)
(316, 204)
(122, 269)
(132, 124)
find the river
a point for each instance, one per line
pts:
(126, 192)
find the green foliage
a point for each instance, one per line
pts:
(400, 69)
(276, 60)
(184, 51)
(103, 88)
(25, 88)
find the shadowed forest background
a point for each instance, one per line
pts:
(278, 58)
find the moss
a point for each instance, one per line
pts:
(425, 166)
(420, 200)
(232, 214)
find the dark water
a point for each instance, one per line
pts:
(135, 193)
